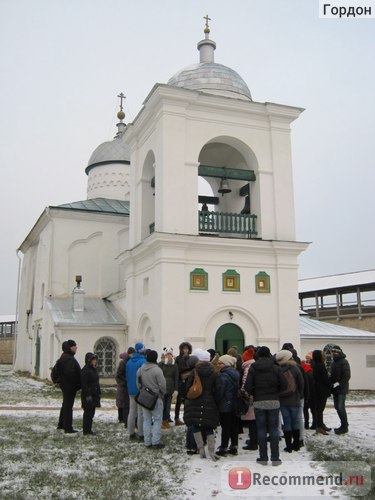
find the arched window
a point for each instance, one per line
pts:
(105, 349)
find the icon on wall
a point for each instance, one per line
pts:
(262, 283)
(231, 281)
(198, 279)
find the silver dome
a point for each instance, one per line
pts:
(211, 77)
(115, 151)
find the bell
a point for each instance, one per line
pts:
(224, 187)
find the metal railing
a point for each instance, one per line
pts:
(227, 223)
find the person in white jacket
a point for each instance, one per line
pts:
(151, 376)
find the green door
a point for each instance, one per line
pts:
(227, 336)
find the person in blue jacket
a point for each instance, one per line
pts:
(135, 411)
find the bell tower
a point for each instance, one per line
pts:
(204, 125)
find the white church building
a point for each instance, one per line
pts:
(149, 255)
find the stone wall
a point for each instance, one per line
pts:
(6, 350)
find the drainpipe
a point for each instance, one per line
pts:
(17, 302)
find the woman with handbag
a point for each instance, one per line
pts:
(151, 382)
(202, 412)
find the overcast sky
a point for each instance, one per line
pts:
(63, 62)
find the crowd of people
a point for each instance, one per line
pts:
(269, 395)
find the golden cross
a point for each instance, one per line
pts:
(207, 28)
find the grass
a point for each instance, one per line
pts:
(40, 462)
(329, 450)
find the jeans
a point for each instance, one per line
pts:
(268, 421)
(167, 407)
(290, 417)
(135, 414)
(339, 404)
(152, 420)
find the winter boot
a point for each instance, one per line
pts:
(120, 412)
(343, 429)
(321, 430)
(288, 441)
(252, 443)
(200, 445)
(211, 447)
(165, 425)
(296, 435)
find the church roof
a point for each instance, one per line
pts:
(102, 205)
(313, 329)
(97, 312)
(209, 76)
(115, 151)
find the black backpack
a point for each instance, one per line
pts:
(55, 373)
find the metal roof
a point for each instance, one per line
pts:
(7, 318)
(97, 312)
(212, 77)
(102, 205)
(348, 282)
(110, 152)
(312, 328)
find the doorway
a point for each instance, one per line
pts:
(227, 336)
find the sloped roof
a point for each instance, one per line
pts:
(97, 312)
(102, 205)
(313, 328)
(348, 280)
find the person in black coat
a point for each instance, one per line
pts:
(265, 382)
(70, 383)
(183, 373)
(228, 386)
(322, 387)
(90, 394)
(202, 413)
(340, 376)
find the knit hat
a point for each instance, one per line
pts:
(287, 346)
(66, 346)
(152, 356)
(202, 355)
(283, 356)
(168, 350)
(227, 360)
(124, 355)
(263, 352)
(232, 351)
(336, 349)
(248, 354)
(139, 347)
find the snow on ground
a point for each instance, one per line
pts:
(204, 478)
